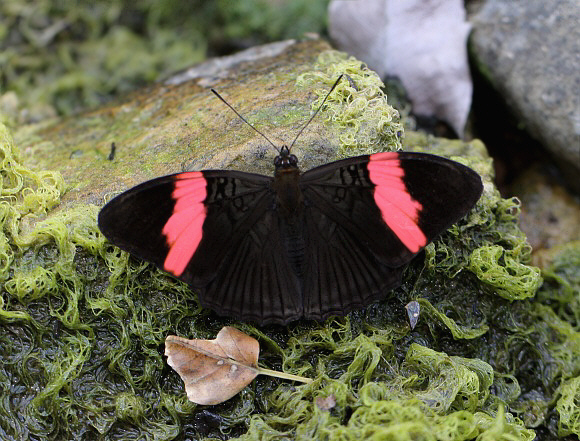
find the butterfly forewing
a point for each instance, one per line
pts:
(446, 190)
(344, 193)
(234, 201)
(134, 220)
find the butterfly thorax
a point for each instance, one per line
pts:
(289, 198)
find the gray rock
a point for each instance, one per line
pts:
(211, 71)
(530, 52)
(549, 216)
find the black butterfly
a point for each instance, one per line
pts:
(276, 249)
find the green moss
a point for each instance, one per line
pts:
(358, 106)
(458, 330)
(567, 407)
(491, 264)
(561, 289)
(75, 338)
(57, 57)
(263, 19)
(82, 326)
(560, 312)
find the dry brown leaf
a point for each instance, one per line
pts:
(213, 371)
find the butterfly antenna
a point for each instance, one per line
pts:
(317, 110)
(244, 119)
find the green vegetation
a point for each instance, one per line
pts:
(495, 354)
(60, 57)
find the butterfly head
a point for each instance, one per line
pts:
(285, 160)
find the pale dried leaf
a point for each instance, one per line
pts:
(213, 371)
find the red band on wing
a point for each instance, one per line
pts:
(398, 209)
(183, 230)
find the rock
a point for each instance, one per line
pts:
(211, 71)
(529, 51)
(181, 118)
(550, 216)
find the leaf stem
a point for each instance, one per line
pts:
(284, 375)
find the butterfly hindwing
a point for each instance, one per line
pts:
(344, 273)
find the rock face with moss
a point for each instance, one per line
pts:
(495, 354)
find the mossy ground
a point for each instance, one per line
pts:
(60, 57)
(495, 353)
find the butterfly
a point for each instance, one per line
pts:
(296, 245)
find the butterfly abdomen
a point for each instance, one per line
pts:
(289, 203)
(292, 234)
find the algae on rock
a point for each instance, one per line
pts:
(83, 324)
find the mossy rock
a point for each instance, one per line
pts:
(83, 324)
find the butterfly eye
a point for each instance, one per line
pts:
(293, 160)
(277, 161)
